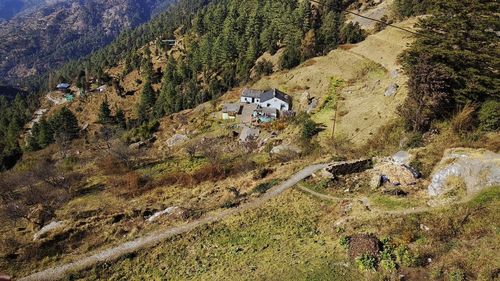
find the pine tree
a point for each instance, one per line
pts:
(147, 102)
(46, 134)
(120, 119)
(65, 125)
(104, 113)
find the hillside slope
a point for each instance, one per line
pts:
(367, 69)
(55, 32)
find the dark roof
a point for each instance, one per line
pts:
(251, 93)
(275, 93)
(231, 108)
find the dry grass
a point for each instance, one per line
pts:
(464, 121)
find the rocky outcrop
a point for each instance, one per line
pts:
(47, 229)
(474, 169)
(285, 148)
(176, 140)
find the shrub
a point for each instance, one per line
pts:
(344, 241)
(366, 262)
(408, 8)
(352, 33)
(489, 116)
(404, 257)
(309, 129)
(264, 67)
(456, 274)
(290, 58)
(111, 166)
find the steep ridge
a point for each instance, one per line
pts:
(53, 33)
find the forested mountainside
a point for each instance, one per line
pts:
(58, 31)
(221, 43)
(11, 8)
(386, 168)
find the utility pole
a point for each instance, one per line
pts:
(334, 120)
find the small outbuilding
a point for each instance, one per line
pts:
(230, 110)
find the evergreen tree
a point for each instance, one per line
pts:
(147, 102)
(64, 125)
(104, 113)
(45, 135)
(120, 119)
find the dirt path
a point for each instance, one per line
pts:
(156, 237)
(367, 203)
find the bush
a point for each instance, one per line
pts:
(428, 95)
(456, 274)
(264, 67)
(352, 33)
(404, 257)
(489, 116)
(366, 262)
(344, 241)
(408, 8)
(290, 58)
(309, 129)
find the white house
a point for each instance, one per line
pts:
(250, 96)
(272, 98)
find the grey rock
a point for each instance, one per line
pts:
(176, 140)
(284, 148)
(402, 158)
(391, 90)
(137, 145)
(376, 181)
(47, 229)
(477, 168)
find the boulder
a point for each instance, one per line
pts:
(304, 99)
(474, 169)
(312, 105)
(284, 148)
(376, 181)
(47, 229)
(402, 158)
(167, 211)
(391, 90)
(176, 140)
(394, 73)
(392, 169)
(137, 145)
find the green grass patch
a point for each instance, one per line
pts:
(183, 164)
(279, 241)
(487, 196)
(391, 203)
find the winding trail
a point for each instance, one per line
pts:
(374, 210)
(152, 239)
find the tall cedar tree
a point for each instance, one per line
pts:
(460, 37)
(104, 113)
